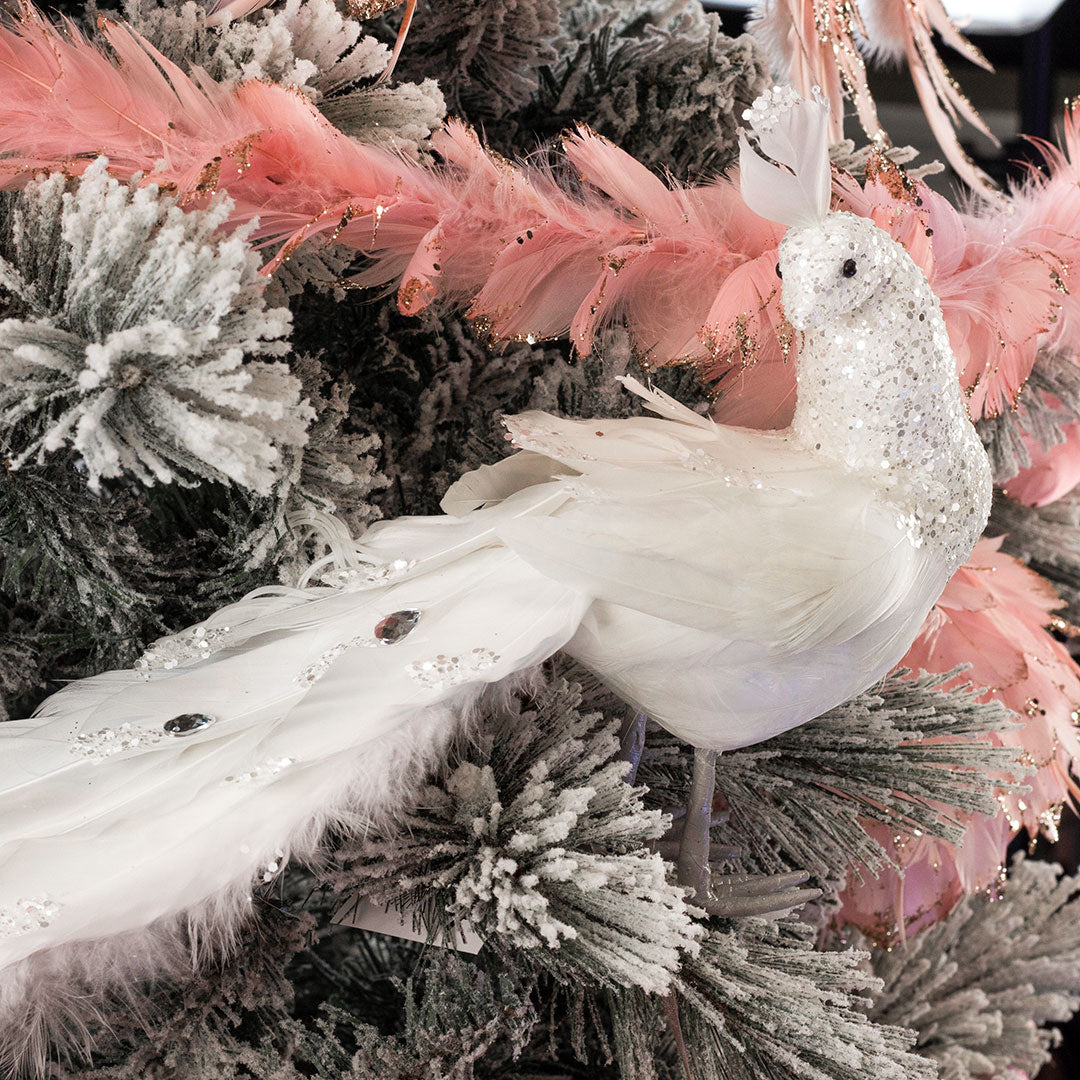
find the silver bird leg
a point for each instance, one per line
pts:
(693, 865)
(693, 868)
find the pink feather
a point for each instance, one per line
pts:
(992, 615)
(942, 100)
(1046, 211)
(819, 43)
(539, 262)
(530, 258)
(814, 41)
(761, 395)
(930, 876)
(999, 302)
(1054, 471)
(744, 330)
(66, 101)
(683, 244)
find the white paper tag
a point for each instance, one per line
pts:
(364, 915)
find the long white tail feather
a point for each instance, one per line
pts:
(52, 999)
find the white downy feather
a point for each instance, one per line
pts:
(794, 132)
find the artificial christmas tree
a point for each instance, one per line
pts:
(207, 392)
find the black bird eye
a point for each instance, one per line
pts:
(778, 274)
(849, 268)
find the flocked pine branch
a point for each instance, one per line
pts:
(322, 53)
(77, 560)
(335, 473)
(536, 841)
(305, 44)
(230, 1020)
(672, 95)
(456, 1022)
(20, 659)
(897, 755)
(546, 788)
(435, 394)
(980, 986)
(581, 19)
(760, 1001)
(486, 54)
(137, 336)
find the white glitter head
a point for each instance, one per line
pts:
(833, 268)
(793, 132)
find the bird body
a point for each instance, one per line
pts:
(729, 583)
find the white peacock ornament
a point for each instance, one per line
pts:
(729, 584)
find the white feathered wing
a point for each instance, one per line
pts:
(741, 585)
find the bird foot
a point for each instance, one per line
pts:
(724, 896)
(739, 895)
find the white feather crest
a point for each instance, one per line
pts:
(793, 131)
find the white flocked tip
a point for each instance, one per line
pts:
(793, 131)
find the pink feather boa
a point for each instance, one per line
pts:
(689, 269)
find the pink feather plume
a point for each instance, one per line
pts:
(814, 42)
(993, 615)
(1054, 471)
(930, 876)
(1046, 211)
(942, 100)
(528, 257)
(67, 101)
(819, 43)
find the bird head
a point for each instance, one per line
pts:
(832, 268)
